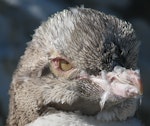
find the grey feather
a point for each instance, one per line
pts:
(92, 41)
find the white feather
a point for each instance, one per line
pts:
(74, 119)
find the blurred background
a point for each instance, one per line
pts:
(19, 18)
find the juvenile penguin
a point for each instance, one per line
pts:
(80, 69)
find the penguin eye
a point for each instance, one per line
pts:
(60, 67)
(61, 64)
(64, 65)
